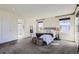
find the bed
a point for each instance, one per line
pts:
(47, 37)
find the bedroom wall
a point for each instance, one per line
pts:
(29, 22)
(52, 23)
(49, 22)
(8, 26)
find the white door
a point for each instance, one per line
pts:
(6, 29)
(20, 29)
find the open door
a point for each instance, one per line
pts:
(20, 29)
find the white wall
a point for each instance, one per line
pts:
(8, 26)
(29, 22)
(51, 22)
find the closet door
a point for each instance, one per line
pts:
(6, 29)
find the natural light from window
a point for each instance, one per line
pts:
(65, 26)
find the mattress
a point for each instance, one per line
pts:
(47, 38)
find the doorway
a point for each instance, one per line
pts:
(20, 28)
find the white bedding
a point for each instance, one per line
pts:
(47, 38)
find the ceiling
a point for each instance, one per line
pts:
(38, 11)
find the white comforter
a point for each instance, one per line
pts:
(47, 38)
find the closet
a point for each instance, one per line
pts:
(8, 28)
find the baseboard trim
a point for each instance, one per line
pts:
(67, 40)
(8, 43)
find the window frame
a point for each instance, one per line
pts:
(65, 26)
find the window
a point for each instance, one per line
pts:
(65, 25)
(40, 25)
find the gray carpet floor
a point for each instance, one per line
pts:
(25, 46)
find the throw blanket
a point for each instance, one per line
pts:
(47, 38)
